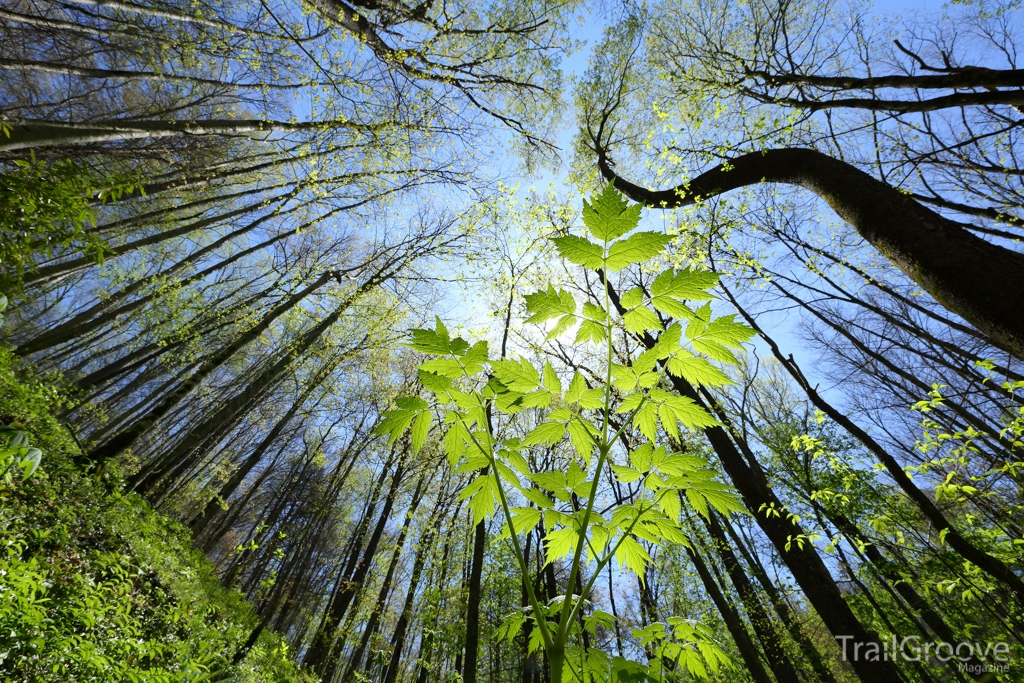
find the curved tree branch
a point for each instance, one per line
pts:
(981, 282)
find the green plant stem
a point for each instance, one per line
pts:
(604, 448)
(540, 615)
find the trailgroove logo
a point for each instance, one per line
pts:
(973, 658)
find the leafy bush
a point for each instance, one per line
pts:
(95, 585)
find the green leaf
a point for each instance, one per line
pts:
(420, 429)
(692, 285)
(632, 298)
(590, 330)
(445, 367)
(623, 378)
(728, 331)
(394, 424)
(630, 402)
(30, 462)
(434, 341)
(582, 434)
(719, 496)
(580, 251)
(668, 420)
(455, 440)
(538, 498)
(475, 357)
(523, 520)
(608, 216)
(518, 375)
(546, 433)
(636, 248)
(551, 381)
(480, 494)
(626, 475)
(592, 311)
(433, 382)
(550, 481)
(633, 555)
(538, 399)
(646, 420)
(516, 459)
(696, 370)
(16, 438)
(668, 502)
(559, 543)
(591, 399)
(642, 457)
(574, 476)
(411, 403)
(689, 413)
(472, 464)
(640, 320)
(576, 388)
(549, 304)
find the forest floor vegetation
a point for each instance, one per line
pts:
(97, 586)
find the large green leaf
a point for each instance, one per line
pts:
(608, 216)
(633, 555)
(518, 375)
(636, 248)
(580, 251)
(549, 303)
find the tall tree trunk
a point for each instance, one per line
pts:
(473, 603)
(423, 548)
(35, 134)
(764, 628)
(802, 560)
(751, 657)
(322, 657)
(385, 588)
(821, 671)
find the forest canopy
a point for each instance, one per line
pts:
(738, 398)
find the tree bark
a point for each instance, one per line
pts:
(751, 657)
(385, 589)
(322, 657)
(774, 651)
(803, 561)
(35, 134)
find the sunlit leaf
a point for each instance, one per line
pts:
(636, 248)
(608, 216)
(580, 251)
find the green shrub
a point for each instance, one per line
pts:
(95, 585)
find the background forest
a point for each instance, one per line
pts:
(298, 382)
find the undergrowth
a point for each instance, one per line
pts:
(97, 586)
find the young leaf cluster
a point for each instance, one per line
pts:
(497, 415)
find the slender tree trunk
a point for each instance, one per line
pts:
(35, 134)
(124, 440)
(423, 549)
(751, 657)
(473, 603)
(322, 656)
(821, 671)
(385, 589)
(764, 627)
